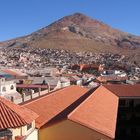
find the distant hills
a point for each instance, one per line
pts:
(78, 32)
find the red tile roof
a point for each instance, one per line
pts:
(12, 115)
(88, 66)
(51, 105)
(124, 90)
(70, 74)
(98, 112)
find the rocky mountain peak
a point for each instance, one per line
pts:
(79, 32)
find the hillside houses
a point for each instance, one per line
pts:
(30, 59)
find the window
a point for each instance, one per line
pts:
(133, 131)
(131, 103)
(122, 103)
(4, 89)
(29, 126)
(12, 87)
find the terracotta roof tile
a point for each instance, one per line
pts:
(124, 90)
(12, 115)
(51, 105)
(88, 66)
(98, 112)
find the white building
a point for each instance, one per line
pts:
(8, 88)
(119, 73)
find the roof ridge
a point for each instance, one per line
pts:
(70, 116)
(110, 90)
(87, 99)
(80, 105)
(75, 102)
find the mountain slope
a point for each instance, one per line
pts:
(80, 33)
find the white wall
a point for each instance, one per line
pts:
(33, 135)
(7, 85)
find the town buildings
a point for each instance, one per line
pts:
(33, 60)
(68, 96)
(56, 103)
(108, 112)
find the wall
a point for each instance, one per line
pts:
(31, 134)
(27, 98)
(68, 130)
(7, 85)
(16, 132)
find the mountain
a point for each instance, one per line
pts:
(78, 32)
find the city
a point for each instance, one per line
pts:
(69, 70)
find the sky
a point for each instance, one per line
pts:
(22, 17)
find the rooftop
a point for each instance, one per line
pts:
(51, 105)
(98, 112)
(122, 90)
(13, 116)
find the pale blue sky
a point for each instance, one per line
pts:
(21, 17)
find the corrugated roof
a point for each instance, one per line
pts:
(98, 112)
(122, 90)
(51, 105)
(12, 115)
